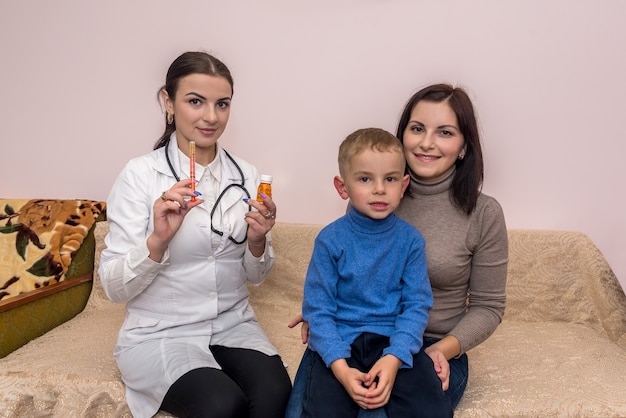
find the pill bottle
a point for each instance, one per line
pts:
(265, 187)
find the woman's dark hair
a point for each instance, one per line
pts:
(468, 179)
(186, 64)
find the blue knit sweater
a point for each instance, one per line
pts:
(367, 275)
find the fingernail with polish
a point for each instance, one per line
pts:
(197, 193)
(263, 195)
(245, 199)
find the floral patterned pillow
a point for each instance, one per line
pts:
(39, 238)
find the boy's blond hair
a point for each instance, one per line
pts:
(375, 139)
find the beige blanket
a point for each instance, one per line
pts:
(560, 352)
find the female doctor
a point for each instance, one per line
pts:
(181, 257)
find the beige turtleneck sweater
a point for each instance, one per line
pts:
(467, 261)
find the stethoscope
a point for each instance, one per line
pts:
(219, 198)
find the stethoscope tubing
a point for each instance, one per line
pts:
(221, 195)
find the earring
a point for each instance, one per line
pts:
(461, 156)
(170, 118)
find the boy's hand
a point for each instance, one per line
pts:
(352, 381)
(381, 379)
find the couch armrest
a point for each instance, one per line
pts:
(31, 313)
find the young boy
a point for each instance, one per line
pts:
(367, 294)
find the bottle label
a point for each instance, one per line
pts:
(264, 188)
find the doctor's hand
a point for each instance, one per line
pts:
(261, 222)
(170, 210)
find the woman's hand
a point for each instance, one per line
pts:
(446, 348)
(169, 211)
(261, 222)
(442, 367)
(304, 331)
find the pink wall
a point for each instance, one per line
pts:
(79, 81)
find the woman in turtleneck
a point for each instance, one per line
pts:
(464, 229)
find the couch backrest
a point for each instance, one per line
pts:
(552, 276)
(562, 276)
(282, 289)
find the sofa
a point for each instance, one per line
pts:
(559, 352)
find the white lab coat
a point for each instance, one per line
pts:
(197, 296)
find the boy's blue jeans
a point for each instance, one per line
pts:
(458, 381)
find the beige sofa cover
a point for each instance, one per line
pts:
(560, 351)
